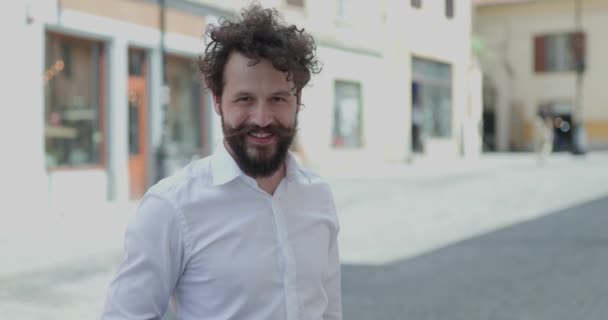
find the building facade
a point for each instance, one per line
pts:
(531, 53)
(104, 123)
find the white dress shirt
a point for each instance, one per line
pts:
(220, 248)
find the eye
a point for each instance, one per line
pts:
(278, 99)
(244, 99)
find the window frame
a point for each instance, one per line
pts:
(577, 46)
(204, 147)
(437, 83)
(101, 97)
(360, 142)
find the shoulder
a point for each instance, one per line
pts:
(311, 176)
(321, 191)
(181, 185)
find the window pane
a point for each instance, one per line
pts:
(449, 8)
(136, 62)
(434, 83)
(134, 130)
(73, 133)
(347, 115)
(298, 3)
(556, 52)
(185, 110)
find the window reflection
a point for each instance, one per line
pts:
(73, 92)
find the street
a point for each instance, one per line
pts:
(500, 238)
(549, 268)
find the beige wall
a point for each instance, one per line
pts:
(142, 13)
(508, 32)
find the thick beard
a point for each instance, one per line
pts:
(266, 160)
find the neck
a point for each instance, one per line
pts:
(270, 184)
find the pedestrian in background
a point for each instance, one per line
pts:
(544, 130)
(245, 233)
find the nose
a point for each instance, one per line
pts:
(261, 115)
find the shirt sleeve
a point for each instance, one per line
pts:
(152, 264)
(334, 277)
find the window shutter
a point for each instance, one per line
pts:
(539, 54)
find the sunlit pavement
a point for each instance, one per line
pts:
(522, 250)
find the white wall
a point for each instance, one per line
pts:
(23, 180)
(316, 119)
(427, 33)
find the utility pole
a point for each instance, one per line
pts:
(579, 135)
(161, 151)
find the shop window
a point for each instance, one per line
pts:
(347, 115)
(433, 81)
(74, 95)
(186, 115)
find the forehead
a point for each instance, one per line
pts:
(241, 74)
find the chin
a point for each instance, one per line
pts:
(261, 152)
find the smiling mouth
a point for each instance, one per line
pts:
(261, 137)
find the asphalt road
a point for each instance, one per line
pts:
(551, 268)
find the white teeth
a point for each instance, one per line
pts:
(260, 134)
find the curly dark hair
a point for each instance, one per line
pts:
(259, 34)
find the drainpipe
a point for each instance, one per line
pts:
(579, 134)
(161, 151)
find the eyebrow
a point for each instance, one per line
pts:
(276, 93)
(282, 93)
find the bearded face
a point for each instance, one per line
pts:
(259, 108)
(259, 151)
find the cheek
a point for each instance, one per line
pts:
(287, 117)
(234, 116)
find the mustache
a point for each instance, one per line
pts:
(274, 129)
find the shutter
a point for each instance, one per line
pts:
(539, 54)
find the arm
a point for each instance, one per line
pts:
(152, 264)
(333, 287)
(333, 284)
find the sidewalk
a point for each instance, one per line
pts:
(434, 201)
(418, 208)
(50, 238)
(57, 263)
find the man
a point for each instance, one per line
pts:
(245, 233)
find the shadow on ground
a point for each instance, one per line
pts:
(554, 267)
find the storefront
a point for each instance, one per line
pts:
(432, 114)
(74, 113)
(105, 112)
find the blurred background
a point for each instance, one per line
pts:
(466, 142)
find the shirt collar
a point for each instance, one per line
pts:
(225, 169)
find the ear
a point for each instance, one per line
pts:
(216, 105)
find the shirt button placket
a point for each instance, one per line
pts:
(287, 261)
